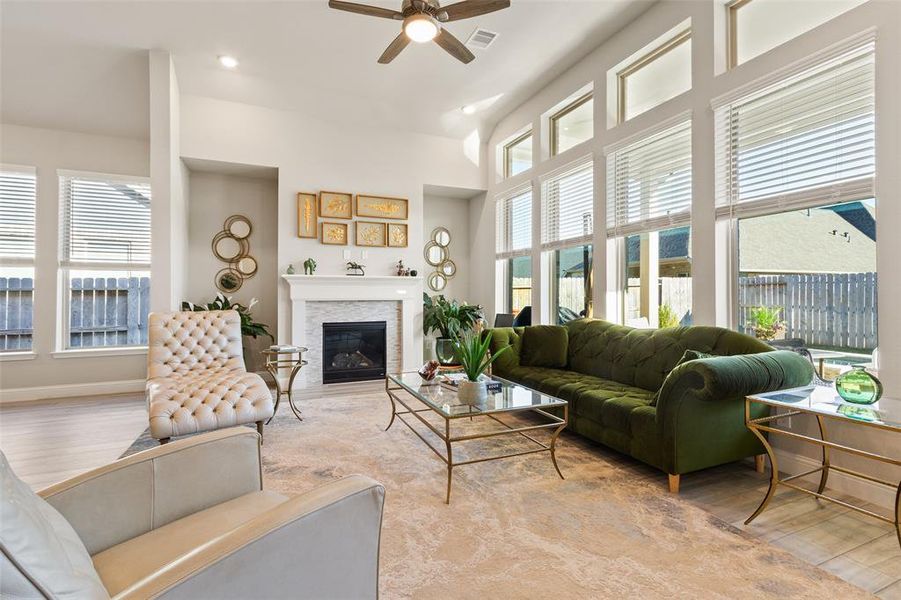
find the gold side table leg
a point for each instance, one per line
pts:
(824, 476)
(273, 370)
(290, 393)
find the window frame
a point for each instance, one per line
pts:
(646, 59)
(507, 158)
(555, 118)
(732, 9)
(66, 266)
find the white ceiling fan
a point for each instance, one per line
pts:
(422, 21)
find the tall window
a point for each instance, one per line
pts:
(514, 243)
(797, 161)
(649, 214)
(105, 259)
(756, 26)
(567, 223)
(572, 125)
(518, 155)
(17, 234)
(655, 78)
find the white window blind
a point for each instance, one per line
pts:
(105, 221)
(567, 206)
(17, 213)
(807, 140)
(649, 183)
(514, 224)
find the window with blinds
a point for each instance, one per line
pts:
(567, 206)
(649, 183)
(17, 214)
(805, 141)
(514, 224)
(105, 221)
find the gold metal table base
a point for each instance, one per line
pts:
(556, 423)
(273, 366)
(763, 424)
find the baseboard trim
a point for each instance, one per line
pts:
(862, 489)
(52, 392)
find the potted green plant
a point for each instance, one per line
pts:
(472, 349)
(765, 322)
(449, 319)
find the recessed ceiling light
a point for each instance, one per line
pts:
(468, 109)
(229, 62)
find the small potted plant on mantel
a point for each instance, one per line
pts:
(472, 349)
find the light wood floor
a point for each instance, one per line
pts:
(46, 442)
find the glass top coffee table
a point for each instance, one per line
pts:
(412, 397)
(824, 404)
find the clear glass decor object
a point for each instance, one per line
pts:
(858, 386)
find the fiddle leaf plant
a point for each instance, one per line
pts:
(249, 327)
(472, 350)
(449, 318)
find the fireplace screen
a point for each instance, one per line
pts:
(353, 351)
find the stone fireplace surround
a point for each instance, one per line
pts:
(316, 299)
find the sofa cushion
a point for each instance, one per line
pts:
(50, 558)
(129, 562)
(593, 403)
(688, 355)
(545, 346)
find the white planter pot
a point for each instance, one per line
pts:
(472, 392)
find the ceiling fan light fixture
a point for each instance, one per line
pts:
(421, 27)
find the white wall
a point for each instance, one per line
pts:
(49, 150)
(213, 197)
(314, 155)
(710, 305)
(452, 213)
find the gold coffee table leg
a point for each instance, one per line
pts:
(450, 459)
(774, 470)
(825, 473)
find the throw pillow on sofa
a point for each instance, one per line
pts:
(545, 346)
(686, 356)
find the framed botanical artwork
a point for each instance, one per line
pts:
(380, 207)
(336, 205)
(371, 234)
(334, 234)
(306, 215)
(397, 235)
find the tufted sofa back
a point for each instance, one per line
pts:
(186, 341)
(644, 357)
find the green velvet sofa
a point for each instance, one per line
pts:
(631, 390)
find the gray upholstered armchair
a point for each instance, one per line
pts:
(189, 520)
(196, 380)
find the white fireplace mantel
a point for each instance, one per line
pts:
(337, 288)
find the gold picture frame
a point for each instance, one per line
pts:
(333, 234)
(397, 235)
(371, 234)
(382, 207)
(307, 211)
(336, 205)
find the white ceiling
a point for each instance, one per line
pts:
(82, 66)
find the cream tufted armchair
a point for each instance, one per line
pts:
(196, 380)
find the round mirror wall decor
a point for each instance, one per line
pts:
(437, 254)
(232, 246)
(437, 281)
(229, 280)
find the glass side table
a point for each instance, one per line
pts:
(277, 360)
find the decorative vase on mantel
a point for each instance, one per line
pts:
(472, 392)
(858, 386)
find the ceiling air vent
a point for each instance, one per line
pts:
(481, 39)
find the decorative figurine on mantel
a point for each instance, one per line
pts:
(402, 271)
(357, 268)
(309, 266)
(290, 269)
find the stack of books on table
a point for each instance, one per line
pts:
(454, 379)
(284, 348)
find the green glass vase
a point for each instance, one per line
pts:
(858, 386)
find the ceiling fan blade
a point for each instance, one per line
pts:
(365, 9)
(470, 8)
(454, 46)
(394, 48)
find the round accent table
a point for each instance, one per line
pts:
(289, 360)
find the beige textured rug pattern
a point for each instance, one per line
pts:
(514, 529)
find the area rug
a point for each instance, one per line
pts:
(514, 529)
